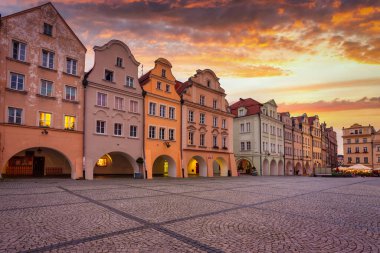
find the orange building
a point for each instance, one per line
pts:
(206, 127)
(162, 122)
(41, 94)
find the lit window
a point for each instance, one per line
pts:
(129, 82)
(117, 130)
(48, 59)
(102, 162)
(69, 122)
(14, 115)
(162, 133)
(70, 93)
(119, 103)
(45, 119)
(171, 113)
(19, 50)
(119, 61)
(48, 29)
(71, 66)
(133, 106)
(100, 127)
(133, 131)
(17, 81)
(108, 75)
(46, 88)
(101, 99)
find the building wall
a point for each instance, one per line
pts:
(376, 150)
(315, 132)
(27, 27)
(98, 144)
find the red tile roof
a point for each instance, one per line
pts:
(144, 78)
(253, 107)
(180, 87)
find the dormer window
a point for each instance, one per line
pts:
(167, 88)
(208, 83)
(108, 75)
(48, 29)
(241, 112)
(119, 62)
(163, 72)
(158, 87)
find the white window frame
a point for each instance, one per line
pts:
(48, 62)
(152, 132)
(133, 131)
(71, 66)
(162, 133)
(117, 131)
(44, 88)
(119, 103)
(104, 127)
(171, 112)
(18, 77)
(103, 99)
(129, 81)
(134, 108)
(70, 89)
(162, 111)
(152, 108)
(14, 116)
(21, 50)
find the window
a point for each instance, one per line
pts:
(241, 112)
(202, 140)
(349, 160)
(214, 103)
(152, 108)
(162, 133)
(162, 111)
(133, 106)
(69, 122)
(248, 145)
(17, 81)
(45, 119)
(366, 160)
(378, 159)
(364, 140)
(163, 72)
(202, 118)
(224, 125)
(357, 159)
(101, 99)
(242, 146)
(248, 126)
(46, 88)
(71, 66)
(14, 115)
(224, 142)
(202, 100)
(215, 141)
(119, 61)
(241, 128)
(171, 134)
(365, 150)
(208, 83)
(119, 103)
(129, 82)
(70, 93)
(48, 29)
(171, 113)
(167, 89)
(100, 127)
(108, 75)
(19, 51)
(357, 140)
(133, 131)
(191, 116)
(152, 132)
(191, 138)
(158, 87)
(48, 59)
(357, 150)
(378, 148)
(215, 122)
(117, 129)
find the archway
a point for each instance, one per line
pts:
(115, 164)
(289, 168)
(244, 166)
(280, 168)
(273, 168)
(197, 167)
(266, 171)
(298, 169)
(38, 162)
(164, 166)
(220, 167)
(307, 169)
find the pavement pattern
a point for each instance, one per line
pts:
(242, 214)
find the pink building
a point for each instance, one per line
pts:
(41, 94)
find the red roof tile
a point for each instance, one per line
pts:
(144, 78)
(253, 107)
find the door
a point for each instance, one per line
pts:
(38, 166)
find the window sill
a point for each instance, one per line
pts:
(215, 147)
(108, 81)
(68, 74)
(48, 69)
(137, 113)
(100, 134)
(202, 147)
(133, 138)
(130, 87)
(104, 107)
(47, 97)
(119, 110)
(70, 101)
(18, 61)
(118, 136)
(191, 145)
(119, 66)
(24, 92)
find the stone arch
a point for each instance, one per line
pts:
(266, 171)
(197, 166)
(115, 163)
(164, 165)
(273, 168)
(220, 167)
(298, 170)
(307, 169)
(244, 166)
(280, 170)
(289, 168)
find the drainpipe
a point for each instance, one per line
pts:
(84, 129)
(261, 165)
(181, 137)
(145, 172)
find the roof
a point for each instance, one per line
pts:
(144, 78)
(253, 107)
(180, 87)
(311, 119)
(38, 7)
(120, 43)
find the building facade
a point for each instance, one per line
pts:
(41, 115)
(113, 113)
(162, 121)
(357, 145)
(288, 143)
(316, 143)
(376, 150)
(301, 123)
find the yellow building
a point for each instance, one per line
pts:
(162, 122)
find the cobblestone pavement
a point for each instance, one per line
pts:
(243, 214)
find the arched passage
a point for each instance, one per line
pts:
(244, 166)
(307, 169)
(197, 167)
(164, 166)
(280, 168)
(273, 168)
(115, 163)
(220, 167)
(289, 168)
(38, 162)
(298, 168)
(266, 171)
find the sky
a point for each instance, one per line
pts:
(315, 57)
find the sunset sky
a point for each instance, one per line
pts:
(319, 57)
